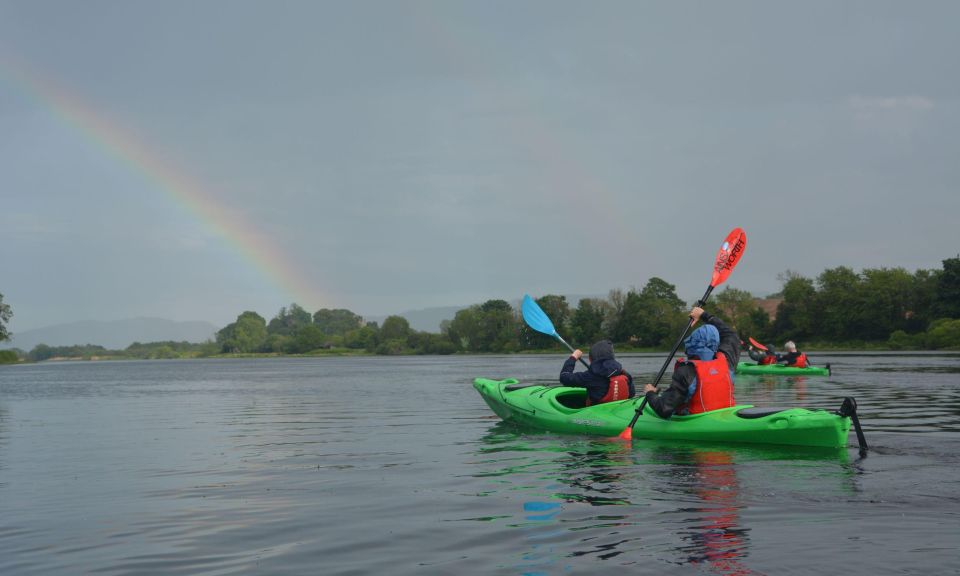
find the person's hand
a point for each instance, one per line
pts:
(696, 313)
(648, 388)
(577, 354)
(751, 347)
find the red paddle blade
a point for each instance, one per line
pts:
(627, 434)
(729, 256)
(757, 344)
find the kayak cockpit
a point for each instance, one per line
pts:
(573, 398)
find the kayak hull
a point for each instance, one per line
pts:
(779, 370)
(560, 409)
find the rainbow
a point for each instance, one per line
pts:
(197, 198)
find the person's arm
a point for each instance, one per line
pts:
(729, 341)
(756, 355)
(570, 378)
(671, 399)
(789, 359)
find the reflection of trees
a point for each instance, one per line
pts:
(770, 390)
(595, 475)
(4, 417)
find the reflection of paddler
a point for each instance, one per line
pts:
(800, 387)
(720, 541)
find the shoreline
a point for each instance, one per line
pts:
(364, 353)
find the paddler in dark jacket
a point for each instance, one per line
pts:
(605, 381)
(763, 357)
(793, 357)
(705, 380)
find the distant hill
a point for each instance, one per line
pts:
(113, 335)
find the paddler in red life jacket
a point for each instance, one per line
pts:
(793, 357)
(704, 381)
(605, 381)
(763, 357)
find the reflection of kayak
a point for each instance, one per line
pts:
(753, 368)
(561, 409)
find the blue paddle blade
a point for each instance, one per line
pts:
(535, 317)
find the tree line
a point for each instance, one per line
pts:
(880, 307)
(877, 307)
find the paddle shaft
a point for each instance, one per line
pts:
(569, 347)
(676, 347)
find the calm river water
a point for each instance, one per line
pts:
(381, 465)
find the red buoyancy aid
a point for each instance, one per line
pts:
(617, 389)
(768, 359)
(801, 361)
(714, 385)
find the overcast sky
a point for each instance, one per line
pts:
(192, 160)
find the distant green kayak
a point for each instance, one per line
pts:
(561, 409)
(777, 369)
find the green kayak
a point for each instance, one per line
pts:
(779, 370)
(561, 409)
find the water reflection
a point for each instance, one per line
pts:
(645, 503)
(712, 530)
(766, 390)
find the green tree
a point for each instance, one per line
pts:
(427, 343)
(40, 352)
(338, 321)
(5, 314)
(277, 343)
(651, 317)
(289, 320)
(838, 305)
(463, 330)
(305, 339)
(761, 326)
(921, 312)
(947, 303)
(498, 327)
(395, 328)
(586, 326)
(888, 295)
(796, 315)
(740, 310)
(489, 327)
(943, 334)
(247, 334)
(900, 340)
(364, 338)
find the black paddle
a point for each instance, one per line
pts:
(727, 258)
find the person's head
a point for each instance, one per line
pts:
(790, 346)
(600, 351)
(770, 349)
(702, 344)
